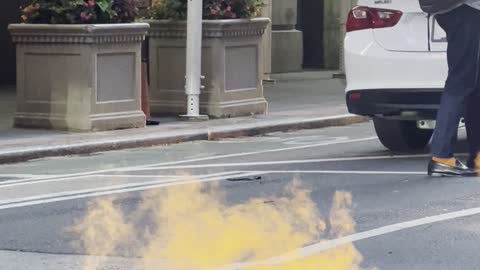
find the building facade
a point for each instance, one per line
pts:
(305, 34)
(308, 34)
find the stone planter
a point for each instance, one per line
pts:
(79, 77)
(231, 63)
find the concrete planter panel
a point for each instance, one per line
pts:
(231, 63)
(79, 77)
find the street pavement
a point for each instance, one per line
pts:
(403, 218)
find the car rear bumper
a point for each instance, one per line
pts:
(415, 104)
(370, 66)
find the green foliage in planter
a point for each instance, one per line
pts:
(212, 9)
(169, 9)
(80, 11)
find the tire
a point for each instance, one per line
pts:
(401, 135)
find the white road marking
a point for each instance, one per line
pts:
(280, 162)
(63, 177)
(343, 172)
(331, 244)
(303, 140)
(14, 184)
(141, 176)
(87, 193)
(253, 153)
(297, 140)
(23, 175)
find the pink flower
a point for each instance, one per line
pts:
(91, 3)
(30, 9)
(84, 16)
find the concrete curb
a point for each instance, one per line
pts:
(284, 125)
(102, 146)
(155, 139)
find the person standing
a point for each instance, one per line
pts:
(461, 96)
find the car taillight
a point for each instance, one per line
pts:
(355, 96)
(361, 18)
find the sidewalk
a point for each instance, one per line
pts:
(297, 101)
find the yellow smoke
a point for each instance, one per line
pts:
(102, 231)
(193, 228)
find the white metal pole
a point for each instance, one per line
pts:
(194, 58)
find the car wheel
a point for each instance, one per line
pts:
(401, 135)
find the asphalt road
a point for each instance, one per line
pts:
(403, 219)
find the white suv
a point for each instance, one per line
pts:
(396, 66)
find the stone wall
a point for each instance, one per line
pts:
(335, 16)
(284, 45)
(267, 41)
(287, 41)
(79, 78)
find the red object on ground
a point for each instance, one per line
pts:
(145, 104)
